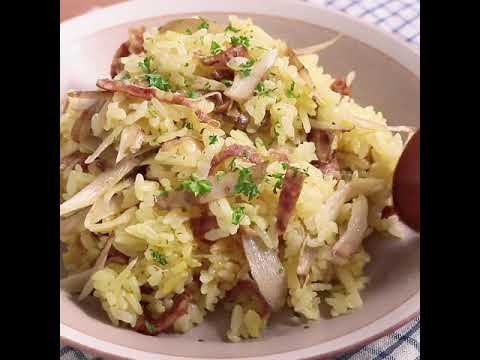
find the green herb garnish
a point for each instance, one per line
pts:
(188, 32)
(219, 175)
(150, 327)
(152, 111)
(290, 90)
(197, 186)
(276, 131)
(227, 82)
(126, 76)
(240, 40)
(296, 170)
(237, 215)
(189, 126)
(204, 25)
(246, 184)
(231, 28)
(215, 48)
(212, 139)
(156, 80)
(279, 183)
(145, 65)
(246, 69)
(262, 90)
(233, 166)
(159, 257)
(192, 94)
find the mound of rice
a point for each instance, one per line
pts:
(156, 254)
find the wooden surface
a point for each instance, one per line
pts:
(72, 8)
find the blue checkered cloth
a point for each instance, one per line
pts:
(402, 18)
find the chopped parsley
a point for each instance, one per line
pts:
(215, 48)
(246, 184)
(159, 257)
(284, 166)
(197, 186)
(233, 165)
(189, 126)
(126, 76)
(156, 80)
(276, 131)
(192, 94)
(246, 69)
(204, 25)
(212, 139)
(240, 40)
(219, 176)
(188, 32)
(262, 90)
(152, 111)
(297, 170)
(290, 90)
(163, 193)
(145, 65)
(150, 327)
(231, 28)
(227, 82)
(279, 183)
(237, 215)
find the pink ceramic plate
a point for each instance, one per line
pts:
(388, 73)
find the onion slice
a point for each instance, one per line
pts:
(305, 259)
(77, 282)
(99, 264)
(304, 74)
(182, 25)
(318, 47)
(349, 191)
(202, 83)
(87, 103)
(265, 268)
(332, 127)
(73, 223)
(109, 139)
(357, 226)
(71, 160)
(243, 87)
(365, 123)
(99, 186)
(130, 140)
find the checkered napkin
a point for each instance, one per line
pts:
(400, 17)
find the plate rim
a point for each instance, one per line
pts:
(363, 336)
(389, 44)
